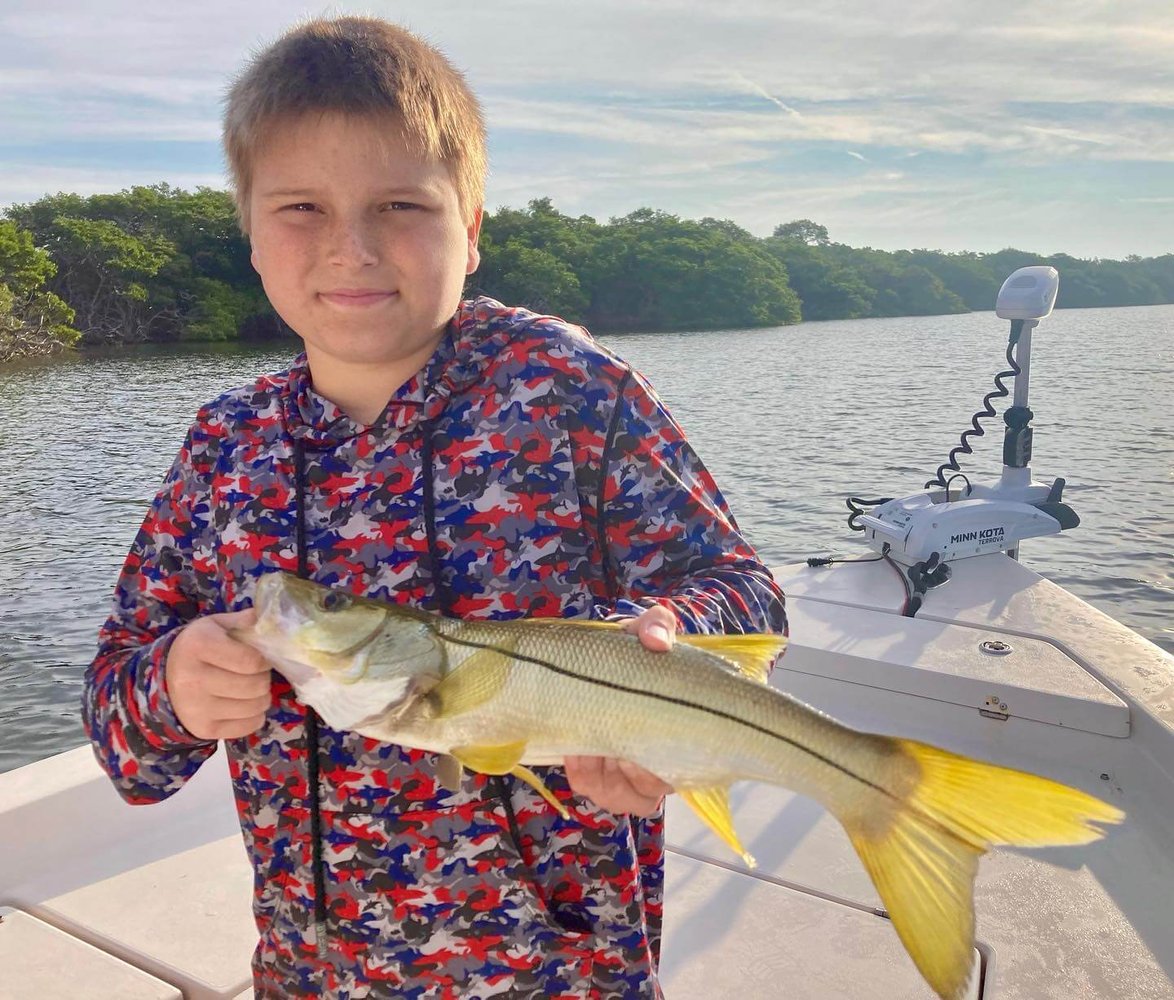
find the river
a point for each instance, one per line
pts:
(789, 420)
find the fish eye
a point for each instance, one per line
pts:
(335, 600)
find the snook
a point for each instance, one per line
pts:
(496, 696)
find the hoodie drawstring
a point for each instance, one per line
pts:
(444, 600)
(609, 570)
(312, 748)
(440, 588)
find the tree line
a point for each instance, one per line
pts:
(160, 264)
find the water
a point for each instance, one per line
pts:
(790, 421)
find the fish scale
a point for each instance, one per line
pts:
(575, 690)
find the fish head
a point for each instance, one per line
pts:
(323, 639)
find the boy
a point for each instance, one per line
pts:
(460, 456)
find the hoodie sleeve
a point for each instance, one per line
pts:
(126, 710)
(669, 537)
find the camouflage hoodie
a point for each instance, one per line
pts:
(525, 472)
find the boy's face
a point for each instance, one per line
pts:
(359, 241)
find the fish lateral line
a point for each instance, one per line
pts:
(673, 700)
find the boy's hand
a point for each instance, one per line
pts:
(620, 786)
(219, 688)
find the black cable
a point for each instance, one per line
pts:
(998, 392)
(904, 583)
(921, 576)
(816, 561)
(958, 475)
(856, 505)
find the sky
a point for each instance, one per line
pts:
(940, 124)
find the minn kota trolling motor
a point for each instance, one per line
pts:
(927, 531)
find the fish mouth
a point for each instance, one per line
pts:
(275, 603)
(281, 610)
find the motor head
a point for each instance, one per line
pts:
(1029, 293)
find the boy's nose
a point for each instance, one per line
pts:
(353, 243)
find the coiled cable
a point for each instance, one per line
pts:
(858, 505)
(1000, 390)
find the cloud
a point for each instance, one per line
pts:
(750, 109)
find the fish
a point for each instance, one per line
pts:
(502, 697)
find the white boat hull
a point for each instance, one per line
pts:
(164, 891)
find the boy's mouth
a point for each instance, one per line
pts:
(356, 297)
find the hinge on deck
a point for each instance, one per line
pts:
(994, 708)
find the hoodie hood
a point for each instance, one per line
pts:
(477, 334)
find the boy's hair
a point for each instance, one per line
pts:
(364, 67)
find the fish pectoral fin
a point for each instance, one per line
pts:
(752, 654)
(448, 772)
(712, 805)
(478, 679)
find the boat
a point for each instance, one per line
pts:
(944, 635)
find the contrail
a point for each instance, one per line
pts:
(762, 92)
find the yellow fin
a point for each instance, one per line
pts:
(478, 679)
(536, 783)
(922, 850)
(752, 653)
(925, 879)
(576, 622)
(712, 805)
(999, 805)
(500, 759)
(504, 759)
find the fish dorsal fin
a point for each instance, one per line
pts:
(752, 654)
(712, 805)
(476, 680)
(576, 622)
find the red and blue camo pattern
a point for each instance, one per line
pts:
(427, 893)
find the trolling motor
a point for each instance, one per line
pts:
(928, 530)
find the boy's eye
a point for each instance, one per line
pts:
(301, 206)
(402, 206)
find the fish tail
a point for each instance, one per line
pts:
(921, 848)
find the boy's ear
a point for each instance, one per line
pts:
(474, 233)
(253, 257)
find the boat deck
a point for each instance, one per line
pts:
(98, 899)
